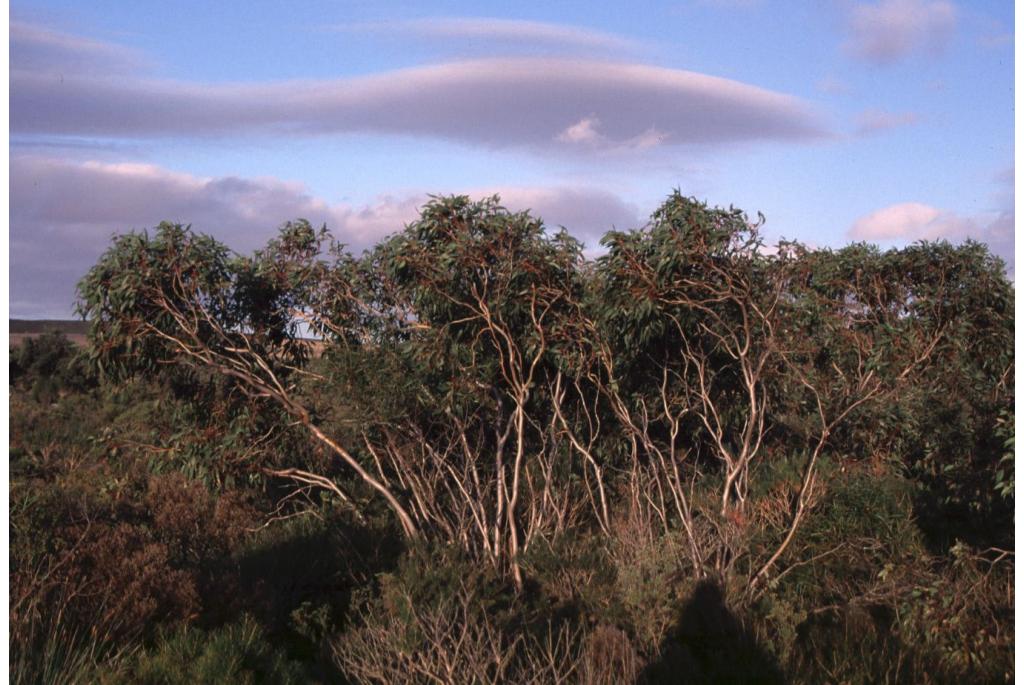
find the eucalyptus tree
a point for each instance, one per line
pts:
(472, 297)
(460, 308)
(494, 388)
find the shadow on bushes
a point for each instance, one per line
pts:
(709, 644)
(854, 644)
(297, 578)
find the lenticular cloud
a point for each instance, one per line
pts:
(512, 102)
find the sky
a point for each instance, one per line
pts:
(888, 121)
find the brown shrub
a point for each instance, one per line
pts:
(609, 658)
(135, 584)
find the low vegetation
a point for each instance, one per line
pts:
(690, 460)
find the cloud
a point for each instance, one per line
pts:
(42, 50)
(912, 221)
(63, 214)
(583, 131)
(524, 102)
(909, 221)
(890, 30)
(499, 34)
(877, 120)
(587, 213)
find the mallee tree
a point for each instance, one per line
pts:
(493, 388)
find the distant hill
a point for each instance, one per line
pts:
(76, 331)
(19, 329)
(36, 326)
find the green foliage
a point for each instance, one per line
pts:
(944, 315)
(426, 578)
(238, 653)
(578, 573)
(49, 365)
(645, 269)
(144, 289)
(122, 294)
(862, 505)
(916, 623)
(649, 585)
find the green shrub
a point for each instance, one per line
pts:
(48, 365)
(237, 653)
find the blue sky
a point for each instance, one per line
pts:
(889, 120)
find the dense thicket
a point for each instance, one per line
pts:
(691, 458)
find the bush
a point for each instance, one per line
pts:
(439, 619)
(239, 653)
(48, 365)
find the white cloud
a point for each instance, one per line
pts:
(583, 131)
(890, 30)
(908, 221)
(912, 221)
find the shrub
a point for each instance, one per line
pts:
(448, 622)
(239, 653)
(50, 364)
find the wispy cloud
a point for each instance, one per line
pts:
(890, 30)
(512, 102)
(872, 121)
(461, 32)
(63, 214)
(41, 49)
